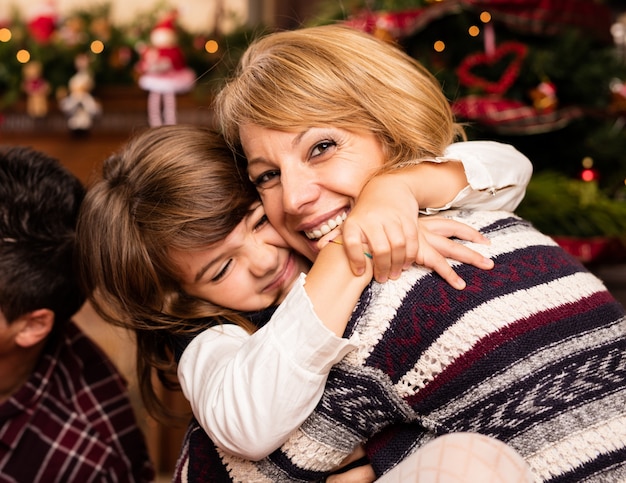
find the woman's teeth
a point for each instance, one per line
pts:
(326, 227)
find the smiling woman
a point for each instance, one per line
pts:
(308, 105)
(280, 164)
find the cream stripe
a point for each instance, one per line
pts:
(484, 320)
(242, 471)
(579, 447)
(546, 356)
(537, 437)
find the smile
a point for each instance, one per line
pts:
(326, 227)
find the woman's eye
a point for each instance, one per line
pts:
(262, 221)
(267, 179)
(222, 272)
(321, 147)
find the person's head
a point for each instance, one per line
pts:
(39, 204)
(174, 233)
(173, 228)
(335, 94)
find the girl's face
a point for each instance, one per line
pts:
(252, 269)
(309, 179)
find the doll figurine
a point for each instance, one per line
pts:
(79, 105)
(36, 89)
(163, 73)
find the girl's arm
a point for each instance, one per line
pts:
(472, 175)
(250, 392)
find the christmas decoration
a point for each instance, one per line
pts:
(42, 21)
(544, 75)
(164, 73)
(55, 40)
(79, 105)
(515, 50)
(544, 97)
(36, 89)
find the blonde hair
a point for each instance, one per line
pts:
(336, 75)
(170, 187)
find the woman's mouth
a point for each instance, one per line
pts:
(326, 227)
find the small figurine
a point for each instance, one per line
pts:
(36, 89)
(79, 105)
(164, 73)
(544, 97)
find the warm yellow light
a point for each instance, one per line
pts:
(587, 162)
(439, 46)
(5, 34)
(485, 17)
(473, 31)
(211, 46)
(23, 56)
(97, 46)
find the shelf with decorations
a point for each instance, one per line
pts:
(38, 56)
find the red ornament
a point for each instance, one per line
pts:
(467, 78)
(589, 174)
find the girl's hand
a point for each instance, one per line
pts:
(435, 245)
(385, 219)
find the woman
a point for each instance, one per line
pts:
(312, 111)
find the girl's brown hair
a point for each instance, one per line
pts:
(172, 187)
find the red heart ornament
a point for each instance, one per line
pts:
(508, 77)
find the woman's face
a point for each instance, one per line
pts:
(309, 179)
(252, 269)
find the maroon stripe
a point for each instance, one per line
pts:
(511, 332)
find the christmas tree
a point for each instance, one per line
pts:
(548, 76)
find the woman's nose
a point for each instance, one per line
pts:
(298, 189)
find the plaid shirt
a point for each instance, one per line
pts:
(72, 421)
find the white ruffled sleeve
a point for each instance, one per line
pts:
(497, 174)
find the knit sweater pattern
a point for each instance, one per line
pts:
(532, 352)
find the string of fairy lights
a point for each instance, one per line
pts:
(96, 47)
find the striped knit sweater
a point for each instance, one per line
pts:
(532, 352)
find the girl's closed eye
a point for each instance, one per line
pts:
(222, 272)
(261, 222)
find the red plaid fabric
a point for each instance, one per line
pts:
(72, 421)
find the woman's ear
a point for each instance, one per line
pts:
(36, 326)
